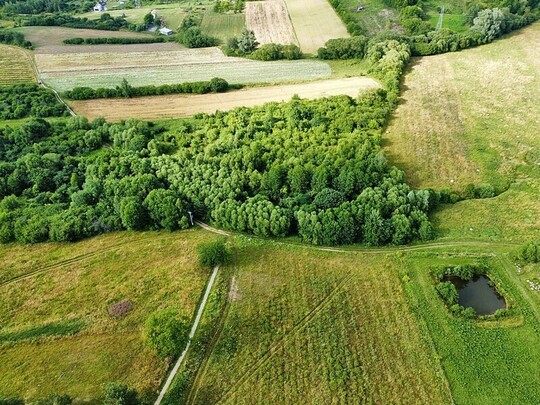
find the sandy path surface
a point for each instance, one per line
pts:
(184, 105)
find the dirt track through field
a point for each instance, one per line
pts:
(175, 106)
(315, 22)
(270, 22)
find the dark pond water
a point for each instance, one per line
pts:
(477, 293)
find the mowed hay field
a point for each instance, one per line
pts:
(152, 65)
(49, 39)
(175, 106)
(15, 66)
(473, 117)
(305, 326)
(315, 22)
(270, 22)
(57, 336)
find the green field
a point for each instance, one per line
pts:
(223, 26)
(49, 347)
(472, 117)
(15, 66)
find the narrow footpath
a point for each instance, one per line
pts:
(191, 334)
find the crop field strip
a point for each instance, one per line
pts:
(15, 66)
(283, 316)
(223, 25)
(270, 22)
(174, 106)
(314, 22)
(154, 66)
(155, 269)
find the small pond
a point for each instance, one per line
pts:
(478, 294)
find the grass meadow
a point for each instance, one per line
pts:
(300, 325)
(472, 117)
(15, 66)
(223, 26)
(57, 335)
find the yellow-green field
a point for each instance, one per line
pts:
(223, 26)
(57, 335)
(15, 66)
(472, 117)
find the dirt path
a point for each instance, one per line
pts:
(191, 334)
(185, 105)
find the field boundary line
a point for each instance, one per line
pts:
(190, 337)
(285, 338)
(203, 367)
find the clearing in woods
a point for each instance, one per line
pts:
(184, 105)
(315, 22)
(152, 65)
(15, 66)
(57, 335)
(270, 22)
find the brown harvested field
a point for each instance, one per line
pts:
(47, 39)
(315, 22)
(15, 66)
(175, 106)
(270, 22)
(470, 116)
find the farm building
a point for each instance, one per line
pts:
(100, 6)
(165, 31)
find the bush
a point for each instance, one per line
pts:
(166, 332)
(216, 253)
(194, 38)
(276, 52)
(120, 394)
(530, 252)
(11, 401)
(448, 292)
(344, 48)
(55, 400)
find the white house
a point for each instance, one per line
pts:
(100, 6)
(165, 31)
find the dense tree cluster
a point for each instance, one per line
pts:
(10, 37)
(44, 6)
(226, 6)
(344, 48)
(24, 100)
(215, 85)
(276, 52)
(312, 168)
(191, 34)
(529, 252)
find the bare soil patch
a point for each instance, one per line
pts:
(175, 106)
(270, 22)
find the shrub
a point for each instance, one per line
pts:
(56, 400)
(328, 198)
(120, 394)
(214, 253)
(344, 48)
(11, 401)
(530, 252)
(448, 292)
(166, 332)
(194, 38)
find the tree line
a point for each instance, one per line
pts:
(10, 37)
(215, 85)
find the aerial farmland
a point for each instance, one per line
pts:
(277, 201)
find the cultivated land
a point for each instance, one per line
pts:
(316, 327)
(314, 22)
(223, 25)
(152, 65)
(270, 22)
(472, 117)
(48, 346)
(49, 39)
(175, 106)
(15, 66)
